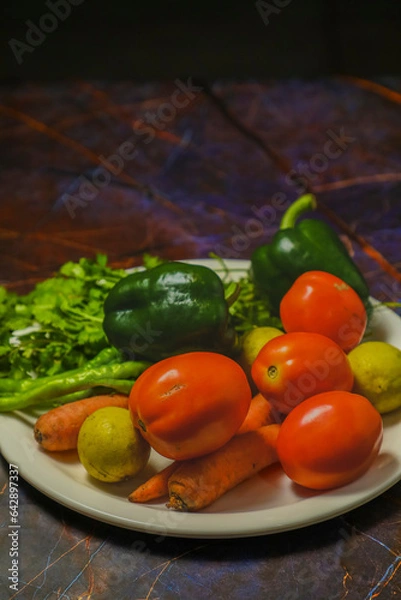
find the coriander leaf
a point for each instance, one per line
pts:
(150, 261)
(62, 316)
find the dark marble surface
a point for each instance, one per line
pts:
(211, 176)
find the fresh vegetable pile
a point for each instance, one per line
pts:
(221, 378)
(53, 340)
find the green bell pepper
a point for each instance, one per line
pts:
(298, 247)
(170, 309)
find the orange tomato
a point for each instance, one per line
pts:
(320, 302)
(329, 440)
(295, 366)
(190, 404)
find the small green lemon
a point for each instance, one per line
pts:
(377, 374)
(252, 342)
(109, 446)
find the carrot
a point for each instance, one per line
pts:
(260, 413)
(156, 486)
(58, 428)
(200, 481)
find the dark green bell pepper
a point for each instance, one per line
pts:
(296, 248)
(170, 309)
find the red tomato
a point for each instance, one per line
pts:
(322, 303)
(295, 366)
(329, 440)
(190, 404)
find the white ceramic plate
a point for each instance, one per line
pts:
(267, 503)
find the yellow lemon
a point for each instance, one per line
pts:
(377, 372)
(109, 446)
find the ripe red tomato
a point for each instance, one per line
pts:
(322, 303)
(330, 440)
(295, 366)
(190, 404)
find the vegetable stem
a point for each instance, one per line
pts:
(86, 316)
(296, 209)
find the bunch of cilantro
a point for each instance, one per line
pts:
(58, 325)
(251, 310)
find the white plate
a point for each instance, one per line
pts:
(267, 503)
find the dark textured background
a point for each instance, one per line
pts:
(271, 98)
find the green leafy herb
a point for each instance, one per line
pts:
(250, 309)
(150, 261)
(58, 325)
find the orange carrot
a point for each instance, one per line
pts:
(58, 428)
(156, 486)
(200, 481)
(259, 414)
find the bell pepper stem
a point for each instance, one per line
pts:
(296, 209)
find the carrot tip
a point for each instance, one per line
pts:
(38, 435)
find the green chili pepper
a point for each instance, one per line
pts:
(118, 376)
(170, 309)
(104, 357)
(299, 247)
